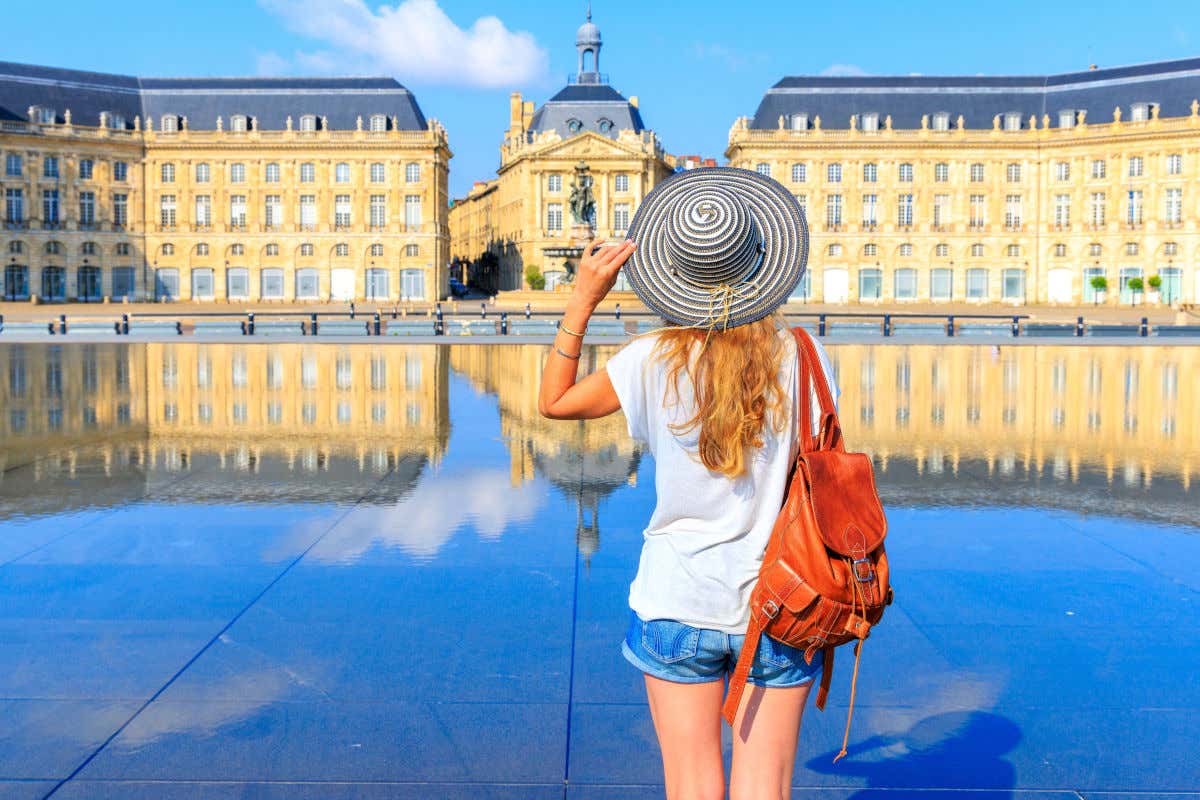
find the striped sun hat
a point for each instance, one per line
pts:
(717, 247)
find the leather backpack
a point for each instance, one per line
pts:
(824, 576)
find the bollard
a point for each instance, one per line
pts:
(528, 311)
(504, 323)
(62, 323)
(125, 324)
(821, 325)
(483, 310)
(1016, 326)
(313, 328)
(439, 327)
(178, 328)
(887, 324)
(1079, 326)
(250, 323)
(1144, 330)
(618, 311)
(377, 326)
(394, 311)
(949, 325)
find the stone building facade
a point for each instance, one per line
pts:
(990, 190)
(522, 218)
(219, 189)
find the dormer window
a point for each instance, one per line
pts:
(1012, 121)
(869, 121)
(799, 122)
(941, 121)
(574, 125)
(308, 123)
(238, 123)
(44, 115)
(604, 125)
(1066, 118)
(170, 123)
(378, 123)
(1139, 112)
(115, 122)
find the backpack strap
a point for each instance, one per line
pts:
(829, 435)
(737, 681)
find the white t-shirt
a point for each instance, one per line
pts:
(705, 541)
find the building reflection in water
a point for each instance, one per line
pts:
(93, 425)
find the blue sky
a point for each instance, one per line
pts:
(695, 66)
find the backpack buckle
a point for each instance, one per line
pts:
(855, 567)
(771, 609)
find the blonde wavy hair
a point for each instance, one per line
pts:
(736, 382)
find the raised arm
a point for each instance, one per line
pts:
(560, 397)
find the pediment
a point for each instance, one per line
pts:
(587, 145)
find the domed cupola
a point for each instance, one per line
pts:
(587, 40)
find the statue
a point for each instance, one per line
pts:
(583, 202)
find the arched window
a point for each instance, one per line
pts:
(168, 249)
(1014, 251)
(271, 250)
(170, 123)
(87, 249)
(272, 284)
(16, 247)
(604, 125)
(835, 250)
(341, 249)
(977, 251)
(53, 248)
(376, 250)
(870, 283)
(905, 284)
(412, 250)
(306, 250)
(237, 249)
(238, 123)
(799, 122)
(202, 249)
(942, 250)
(574, 125)
(308, 123)
(378, 123)
(870, 250)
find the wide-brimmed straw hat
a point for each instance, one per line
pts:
(717, 247)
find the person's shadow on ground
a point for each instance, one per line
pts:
(961, 750)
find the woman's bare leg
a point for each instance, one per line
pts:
(687, 719)
(765, 732)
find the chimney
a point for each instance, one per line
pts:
(633, 101)
(515, 119)
(1092, 66)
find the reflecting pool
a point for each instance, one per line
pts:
(302, 570)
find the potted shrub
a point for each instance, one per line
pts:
(1100, 288)
(1136, 285)
(535, 278)
(1155, 284)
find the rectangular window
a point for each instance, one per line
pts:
(1062, 211)
(122, 282)
(203, 172)
(1062, 171)
(870, 210)
(941, 211)
(977, 284)
(1174, 206)
(120, 171)
(1099, 169)
(833, 173)
(1014, 173)
(341, 211)
(833, 211)
(237, 173)
(1136, 167)
(554, 184)
(621, 217)
(941, 173)
(378, 207)
(378, 173)
(906, 284)
(87, 208)
(237, 284)
(203, 211)
(1174, 164)
(272, 211)
(50, 206)
(14, 206)
(905, 173)
(86, 166)
(977, 173)
(763, 169)
(166, 211)
(412, 212)
(978, 211)
(940, 283)
(799, 173)
(554, 217)
(341, 173)
(1099, 202)
(308, 212)
(120, 210)
(870, 172)
(166, 173)
(1133, 207)
(1013, 211)
(412, 172)
(12, 165)
(904, 211)
(1089, 291)
(50, 167)
(308, 172)
(237, 210)
(1013, 285)
(272, 174)
(621, 183)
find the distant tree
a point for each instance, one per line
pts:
(1154, 281)
(1100, 284)
(534, 277)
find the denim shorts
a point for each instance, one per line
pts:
(672, 651)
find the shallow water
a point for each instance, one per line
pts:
(342, 565)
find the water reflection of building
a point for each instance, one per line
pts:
(308, 421)
(586, 460)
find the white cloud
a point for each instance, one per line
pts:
(844, 71)
(413, 40)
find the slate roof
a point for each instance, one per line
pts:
(588, 103)
(269, 100)
(1171, 84)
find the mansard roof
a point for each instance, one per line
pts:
(590, 104)
(1172, 85)
(270, 101)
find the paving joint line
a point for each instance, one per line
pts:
(178, 673)
(571, 677)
